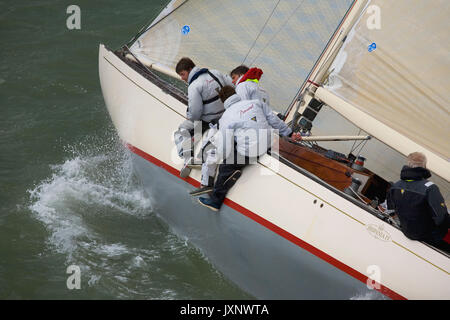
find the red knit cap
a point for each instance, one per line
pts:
(252, 74)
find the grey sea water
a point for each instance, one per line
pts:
(68, 196)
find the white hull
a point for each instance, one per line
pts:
(326, 244)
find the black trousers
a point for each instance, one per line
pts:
(225, 178)
(438, 240)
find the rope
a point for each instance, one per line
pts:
(362, 147)
(354, 142)
(356, 194)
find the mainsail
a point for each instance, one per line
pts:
(394, 75)
(284, 38)
(391, 77)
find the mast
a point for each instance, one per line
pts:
(316, 77)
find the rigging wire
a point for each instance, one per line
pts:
(281, 28)
(354, 142)
(362, 147)
(298, 96)
(260, 32)
(147, 26)
(360, 142)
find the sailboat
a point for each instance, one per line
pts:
(287, 230)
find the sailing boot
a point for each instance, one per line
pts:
(195, 164)
(214, 203)
(186, 170)
(189, 164)
(209, 203)
(203, 189)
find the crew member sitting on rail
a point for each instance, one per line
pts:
(244, 135)
(247, 83)
(419, 204)
(204, 107)
(247, 87)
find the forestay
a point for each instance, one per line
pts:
(284, 38)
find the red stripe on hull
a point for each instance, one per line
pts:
(269, 225)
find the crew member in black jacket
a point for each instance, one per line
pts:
(419, 204)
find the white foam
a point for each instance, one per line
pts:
(112, 250)
(72, 204)
(139, 262)
(98, 182)
(48, 205)
(93, 280)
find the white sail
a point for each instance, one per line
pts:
(171, 6)
(283, 38)
(393, 70)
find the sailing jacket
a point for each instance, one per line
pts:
(248, 124)
(419, 205)
(250, 89)
(203, 99)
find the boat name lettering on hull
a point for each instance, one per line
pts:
(378, 232)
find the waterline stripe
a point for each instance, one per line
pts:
(269, 225)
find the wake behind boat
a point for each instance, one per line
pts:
(297, 225)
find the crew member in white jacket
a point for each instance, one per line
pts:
(247, 86)
(247, 83)
(204, 107)
(244, 135)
